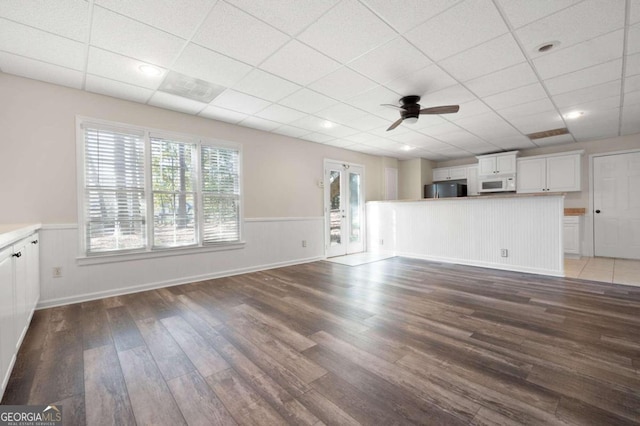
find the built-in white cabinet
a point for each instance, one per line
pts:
(449, 173)
(571, 235)
(19, 294)
(497, 164)
(472, 180)
(550, 173)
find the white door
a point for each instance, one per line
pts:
(616, 205)
(344, 208)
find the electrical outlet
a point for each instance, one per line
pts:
(504, 252)
(57, 271)
(304, 243)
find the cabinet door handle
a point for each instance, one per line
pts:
(18, 254)
(34, 242)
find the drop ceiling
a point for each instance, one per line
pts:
(319, 70)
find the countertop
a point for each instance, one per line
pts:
(10, 233)
(478, 197)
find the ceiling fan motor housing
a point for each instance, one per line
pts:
(410, 106)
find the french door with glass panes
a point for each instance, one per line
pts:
(344, 208)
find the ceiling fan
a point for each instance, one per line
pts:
(410, 110)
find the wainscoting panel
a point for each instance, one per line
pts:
(270, 243)
(473, 231)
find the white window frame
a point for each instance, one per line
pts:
(149, 251)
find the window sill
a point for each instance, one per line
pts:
(129, 256)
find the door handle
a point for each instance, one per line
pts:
(597, 211)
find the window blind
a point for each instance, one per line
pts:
(114, 190)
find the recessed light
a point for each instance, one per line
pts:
(407, 147)
(327, 124)
(149, 70)
(545, 47)
(573, 115)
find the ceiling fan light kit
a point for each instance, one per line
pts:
(410, 110)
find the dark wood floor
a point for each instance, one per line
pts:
(392, 342)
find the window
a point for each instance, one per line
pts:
(143, 190)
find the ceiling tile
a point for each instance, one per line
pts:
(591, 76)
(529, 108)
(117, 67)
(384, 133)
(463, 26)
(119, 34)
(555, 140)
(440, 129)
(311, 123)
(308, 101)
(32, 43)
(317, 137)
(589, 53)
(593, 108)
(632, 98)
(342, 113)
(503, 80)
(406, 14)
(260, 123)
(266, 86)
(517, 96)
(362, 137)
(538, 122)
(222, 114)
(236, 101)
(631, 84)
(453, 95)
(30, 68)
(410, 137)
(371, 100)
(299, 63)
(210, 66)
(225, 31)
(575, 24)
(522, 12)
(117, 89)
(67, 18)
(342, 84)
(292, 131)
(634, 11)
(176, 103)
(428, 79)
(430, 120)
(587, 94)
(290, 16)
(488, 126)
(340, 143)
(513, 142)
(368, 122)
(390, 61)
(633, 40)
(347, 31)
(600, 126)
(633, 65)
(499, 53)
(280, 114)
(468, 109)
(338, 130)
(179, 17)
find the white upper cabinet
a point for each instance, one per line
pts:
(472, 180)
(449, 173)
(497, 164)
(552, 173)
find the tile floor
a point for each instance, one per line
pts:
(605, 269)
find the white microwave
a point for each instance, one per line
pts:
(497, 184)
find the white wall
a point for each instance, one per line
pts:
(282, 201)
(472, 231)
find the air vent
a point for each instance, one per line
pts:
(189, 87)
(548, 133)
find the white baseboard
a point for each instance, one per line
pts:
(169, 283)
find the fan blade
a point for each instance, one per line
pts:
(396, 124)
(444, 109)
(392, 106)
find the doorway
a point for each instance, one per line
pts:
(616, 205)
(344, 208)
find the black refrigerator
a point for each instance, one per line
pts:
(445, 190)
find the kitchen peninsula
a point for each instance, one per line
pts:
(474, 231)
